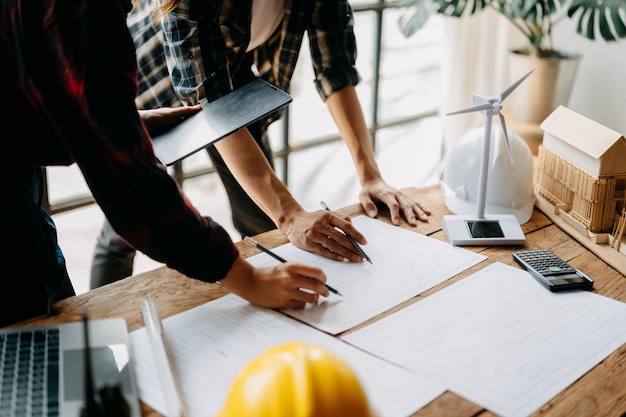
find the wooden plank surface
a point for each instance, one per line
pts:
(600, 392)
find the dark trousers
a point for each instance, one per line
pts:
(35, 275)
(113, 257)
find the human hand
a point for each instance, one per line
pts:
(164, 118)
(288, 285)
(398, 203)
(321, 232)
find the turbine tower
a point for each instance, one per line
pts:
(490, 106)
(480, 229)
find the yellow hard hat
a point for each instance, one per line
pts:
(296, 380)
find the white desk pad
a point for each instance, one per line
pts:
(500, 339)
(213, 342)
(405, 264)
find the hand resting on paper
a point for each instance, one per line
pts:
(288, 285)
(398, 203)
(164, 118)
(323, 232)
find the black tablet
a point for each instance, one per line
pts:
(218, 119)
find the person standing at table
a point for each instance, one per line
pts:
(190, 50)
(68, 72)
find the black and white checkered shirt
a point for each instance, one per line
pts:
(197, 71)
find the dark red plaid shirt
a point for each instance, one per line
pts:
(68, 83)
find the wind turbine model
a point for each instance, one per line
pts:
(492, 229)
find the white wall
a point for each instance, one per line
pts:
(600, 88)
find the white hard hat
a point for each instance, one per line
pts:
(509, 185)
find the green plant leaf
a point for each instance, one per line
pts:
(457, 8)
(415, 16)
(618, 24)
(599, 17)
(534, 18)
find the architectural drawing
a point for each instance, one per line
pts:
(497, 338)
(405, 264)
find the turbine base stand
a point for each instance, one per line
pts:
(501, 229)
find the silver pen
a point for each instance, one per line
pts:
(351, 239)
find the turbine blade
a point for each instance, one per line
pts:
(513, 86)
(506, 136)
(485, 106)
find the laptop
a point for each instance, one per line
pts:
(218, 119)
(42, 369)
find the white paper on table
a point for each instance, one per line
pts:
(500, 339)
(213, 342)
(405, 264)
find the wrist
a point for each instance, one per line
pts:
(234, 280)
(286, 221)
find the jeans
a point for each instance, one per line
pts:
(29, 234)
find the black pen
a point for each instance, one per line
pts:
(279, 259)
(351, 239)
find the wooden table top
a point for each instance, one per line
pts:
(600, 392)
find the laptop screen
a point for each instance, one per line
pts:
(42, 369)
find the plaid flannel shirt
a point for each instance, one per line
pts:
(69, 72)
(178, 40)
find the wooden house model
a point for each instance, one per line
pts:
(581, 171)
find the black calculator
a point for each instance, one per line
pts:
(551, 271)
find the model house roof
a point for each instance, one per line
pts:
(584, 142)
(581, 132)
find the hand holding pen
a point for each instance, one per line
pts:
(351, 239)
(289, 285)
(280, 259)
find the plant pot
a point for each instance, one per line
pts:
(546, 88)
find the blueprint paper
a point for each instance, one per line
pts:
(213, 342)
(405, 264)
(500, 339)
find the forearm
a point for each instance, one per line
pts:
(347, 114)
(250, 168)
